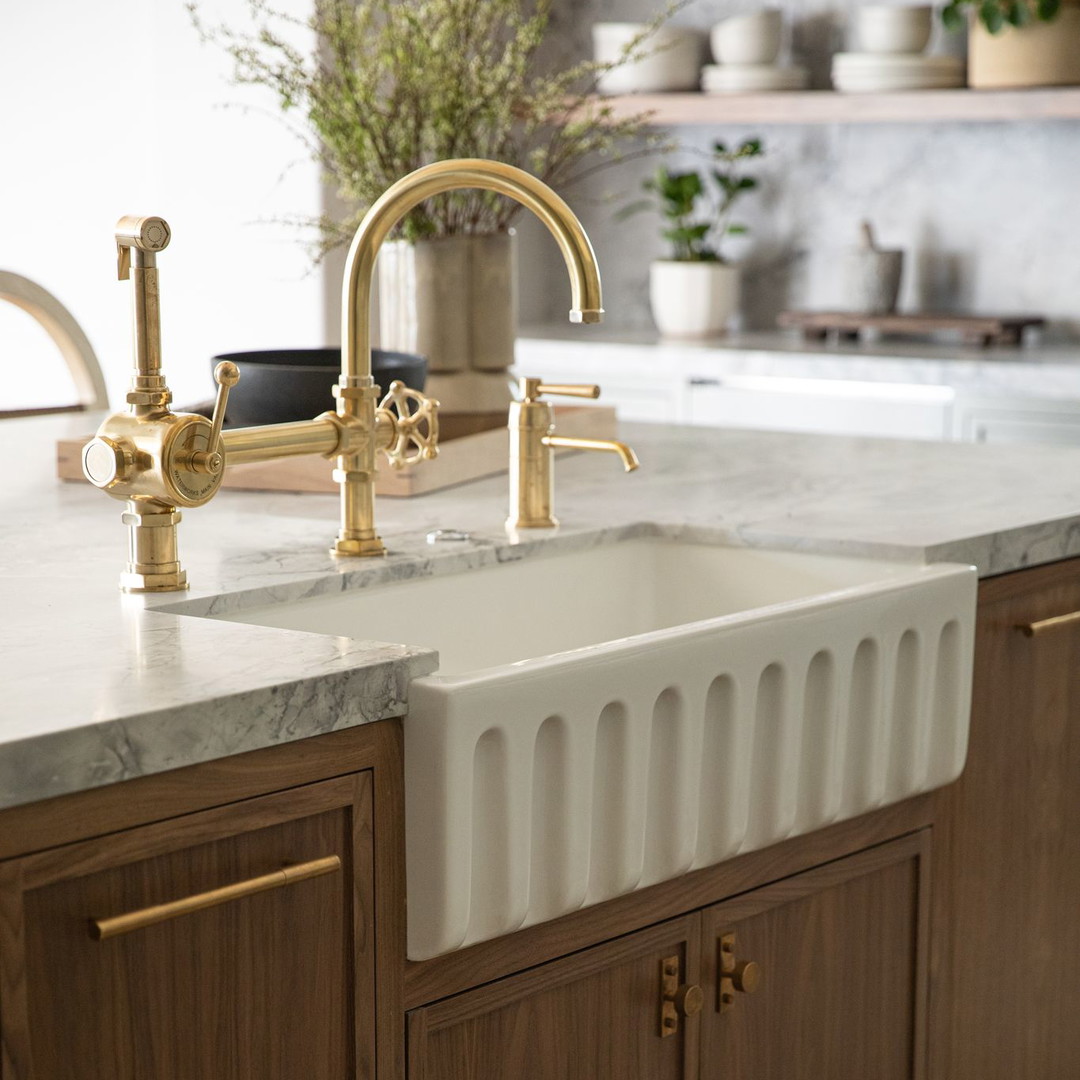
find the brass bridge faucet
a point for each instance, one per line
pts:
(159, 461)
(532, 452)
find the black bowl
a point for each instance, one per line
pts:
(278, 386)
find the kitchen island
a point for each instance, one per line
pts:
(199, 714)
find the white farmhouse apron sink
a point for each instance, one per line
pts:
(610, 718)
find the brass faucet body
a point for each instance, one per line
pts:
(532, 452)
(158, 461)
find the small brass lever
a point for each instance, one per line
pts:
(210, 460)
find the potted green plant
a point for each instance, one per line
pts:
(1014, 43)
(390, 86)
(695, 292)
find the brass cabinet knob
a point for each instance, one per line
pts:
(689, 1000)
(745, 976)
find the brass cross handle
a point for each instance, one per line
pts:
(415, 420)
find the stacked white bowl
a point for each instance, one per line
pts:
(671, 60)
(890, 44)
(746, 48)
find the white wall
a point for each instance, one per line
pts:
(115, 107)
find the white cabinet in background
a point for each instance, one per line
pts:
(1055, 423)
(826, 406)
(663, 385)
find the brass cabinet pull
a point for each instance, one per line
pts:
(735, 976)
(1033, 629)
(100, 929)
(676, 1000)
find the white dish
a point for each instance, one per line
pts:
(748, 39)
(892, 30)
(745, 78)
(895, 84)
(878, 73)
(673, 61)
(863, 61)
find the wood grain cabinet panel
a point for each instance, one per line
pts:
(592, 1016)
(277, 985)
(841, 955)
(1006, 986)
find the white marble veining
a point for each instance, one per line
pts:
(96, 687)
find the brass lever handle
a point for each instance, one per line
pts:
(585, 390)
(226, 375)
(100, 929)
(210, 461)
(1041, 626)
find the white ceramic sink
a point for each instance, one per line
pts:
(606, 719)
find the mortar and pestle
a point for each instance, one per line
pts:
(871, 276)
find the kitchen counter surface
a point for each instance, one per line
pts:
(99, 687)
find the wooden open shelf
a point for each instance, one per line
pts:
(829, 107)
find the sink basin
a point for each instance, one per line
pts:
(609, 718)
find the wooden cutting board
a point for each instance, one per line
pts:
(464, 454)
(974, 329)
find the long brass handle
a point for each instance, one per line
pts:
(100, 929)
(586, 390)
(1041, 626)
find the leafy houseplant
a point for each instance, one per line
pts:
(996, 15)
(1019, 42)
(696, 291)
(389, 86)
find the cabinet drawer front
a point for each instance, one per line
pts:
(182, 950)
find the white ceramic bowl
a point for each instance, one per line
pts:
(673, 63)
(892, 29)
(748, 39)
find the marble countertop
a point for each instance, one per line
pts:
(97, 687)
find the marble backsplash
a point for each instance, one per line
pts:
(986, 211)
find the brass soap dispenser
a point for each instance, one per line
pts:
(532, 451)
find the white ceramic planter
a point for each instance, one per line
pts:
(693, 299)
(1042, 54)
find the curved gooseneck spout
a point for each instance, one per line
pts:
(436, 179)
(355, 392)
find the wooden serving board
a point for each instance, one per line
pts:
(464, 454)
(975, 329)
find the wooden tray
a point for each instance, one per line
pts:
(975, 329)
(464, 454)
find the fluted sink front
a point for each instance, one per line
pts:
(606, 719)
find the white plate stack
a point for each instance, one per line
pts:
(891, 41)
(745, 48)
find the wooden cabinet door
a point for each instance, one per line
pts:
(595, 1015)
(1006, 987)
(275, 984)
(841, 955)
